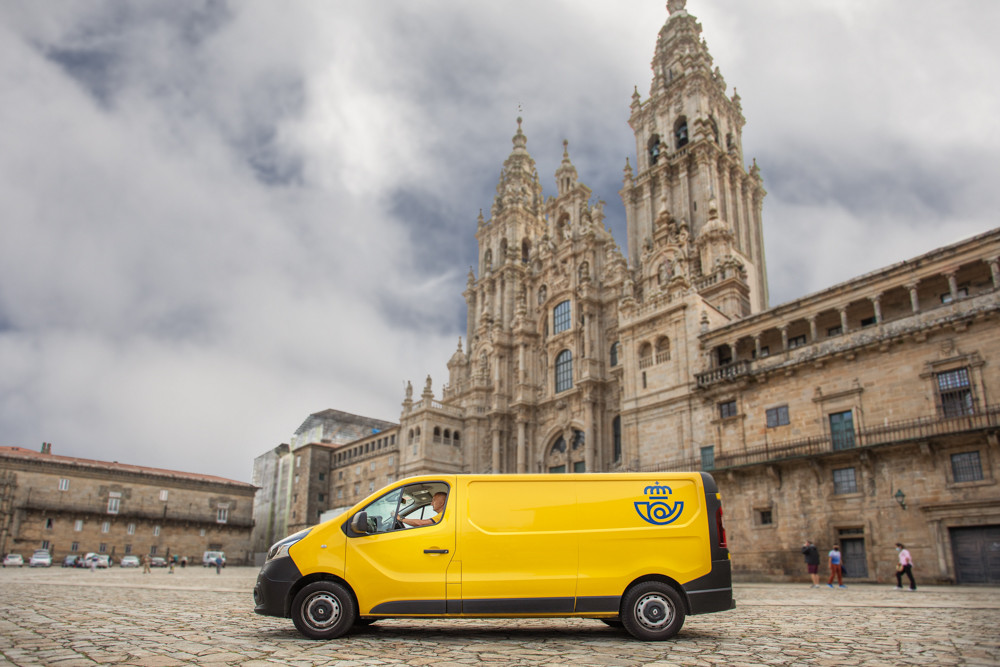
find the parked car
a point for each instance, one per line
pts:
(209, 558)
(41, 558)
(158, 561)
(70, 560)
(99, 560)
(130, 561)
(13, 560)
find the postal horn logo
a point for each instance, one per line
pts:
(656, 509)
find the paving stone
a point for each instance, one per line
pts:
(66, 618)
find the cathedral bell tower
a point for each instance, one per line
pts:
(690, 178)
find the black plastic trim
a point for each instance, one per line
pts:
(403, 607)
(274, 581)
(712, 592)
(599, 603)
(519, 606)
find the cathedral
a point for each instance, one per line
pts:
(859, 416)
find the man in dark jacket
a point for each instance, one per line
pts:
(811, 553)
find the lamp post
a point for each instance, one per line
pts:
(900, 498)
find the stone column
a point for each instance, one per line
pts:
(812, 329)
(756, 346)
(877, 306)
(590, 436)
(995, 271)
(952, 285)
(495, 464)
(843, 320)
(522, 423)
(914, 297)
(784, 338)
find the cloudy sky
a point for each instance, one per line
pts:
(219, 217)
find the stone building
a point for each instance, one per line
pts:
(862, 415)
(73, 506)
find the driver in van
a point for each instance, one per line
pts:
(437, 502)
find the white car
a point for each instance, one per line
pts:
(99, 560)
(130, 561)
(41, 558)
(13, 560)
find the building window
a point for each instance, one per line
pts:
(955, 392)
(708, 458)
(868, 322)
(844, 481)
(727, 409)
(164, 494)
(156, 531)
(298, 462)
(392, 459)
(962, 293)
(131, 529)
(556, 470)
(114, 502)
(357, 488)
(842, 430)
(777, 416)
(616, 437)
(106, 526)
(103, 548)
(64, 484)
(564, 371)
(322, 477)
(561, 317)
(201, 533)
(372, 466)
(580, 466)
(321, 498)
(48, 524)
(662, 350)
(152, 550)
(78, 525)
(834, 331)
(966, 467)
(615, 349)
(74, 547)
(357, 470)
(797, 341)
(765, 517)
(222, 515)
(128, 549)
(340, 493)
(371, 486)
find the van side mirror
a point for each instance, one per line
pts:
(359, 523)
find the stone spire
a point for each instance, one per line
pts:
(566, 175)
(519, 186)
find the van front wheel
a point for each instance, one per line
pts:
(652, 611)
(323, 610)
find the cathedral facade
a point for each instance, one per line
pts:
(861, 416)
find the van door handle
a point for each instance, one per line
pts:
(435, 551)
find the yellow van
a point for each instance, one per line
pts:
(633, 549)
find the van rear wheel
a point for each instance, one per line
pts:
(323, 610)
(652, 611)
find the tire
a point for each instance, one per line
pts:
(323, 610)
(652, 611)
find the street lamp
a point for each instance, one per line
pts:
(900, 498)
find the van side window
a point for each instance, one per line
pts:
(382, 512)
(411, 506)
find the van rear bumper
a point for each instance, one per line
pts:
(270, 593)
(714, 591)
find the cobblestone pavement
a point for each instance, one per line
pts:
(196, 617)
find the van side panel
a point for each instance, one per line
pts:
(518, 543)
(637, 526)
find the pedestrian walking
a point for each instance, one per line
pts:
(835, 568)
(145, 564)
(811, 554)
(218, 566)
(904, 566)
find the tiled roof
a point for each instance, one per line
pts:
(32, 455)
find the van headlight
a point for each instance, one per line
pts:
(280, 548)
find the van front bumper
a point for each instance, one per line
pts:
(714, 591)
(270, 593)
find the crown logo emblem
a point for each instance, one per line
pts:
(655, 509)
